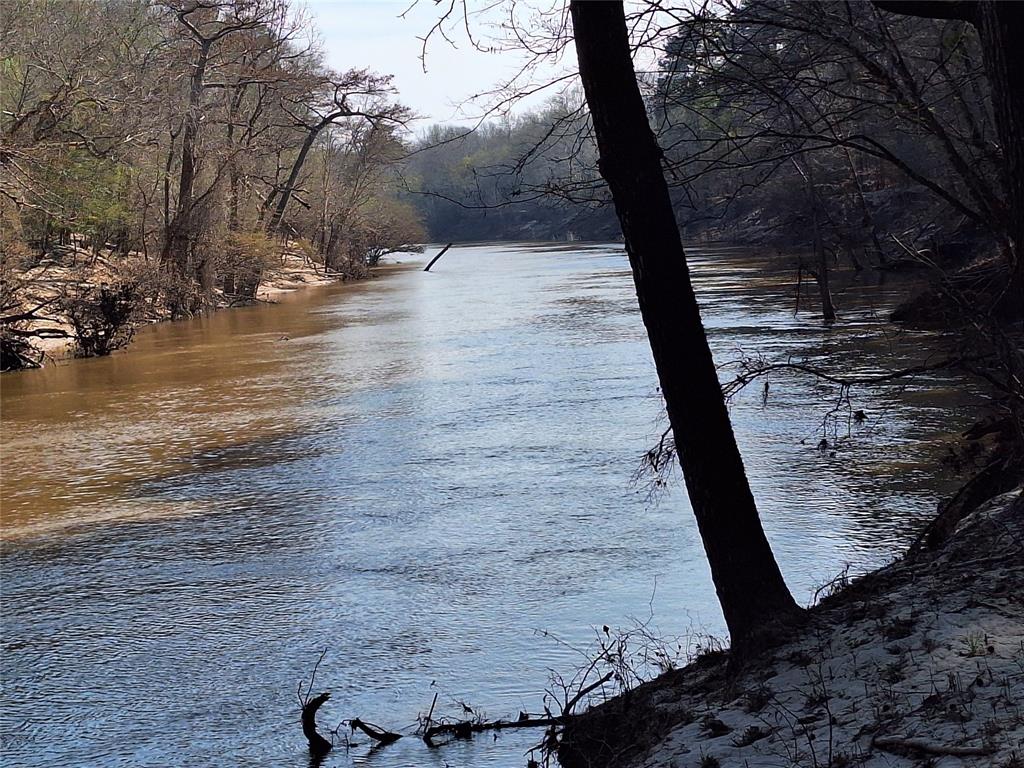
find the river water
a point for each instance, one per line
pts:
(428, 475)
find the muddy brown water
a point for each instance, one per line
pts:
(429, 476)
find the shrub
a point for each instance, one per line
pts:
(103, 317)
(246, 256)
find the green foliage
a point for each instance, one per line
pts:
(85, 194)
(94, 191)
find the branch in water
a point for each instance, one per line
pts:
(754, 369)
(659, 460)
(374, 731)
(318, 745)
(463, 729)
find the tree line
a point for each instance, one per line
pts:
(190, 141)
(864, 136)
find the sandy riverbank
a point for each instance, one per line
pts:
(293, 273)
(918, 664)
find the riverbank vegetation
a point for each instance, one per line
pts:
(187, 148)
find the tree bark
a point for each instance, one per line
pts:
(293, 177)
(178, 238)
(1000, 27)
(747, 578)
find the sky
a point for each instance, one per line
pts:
(371, 34)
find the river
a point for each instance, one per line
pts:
(427, 474)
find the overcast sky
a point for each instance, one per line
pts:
(370, 33)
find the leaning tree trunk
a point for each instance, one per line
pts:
(747, 579)
(300, 160)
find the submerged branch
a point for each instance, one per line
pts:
(318, 745)
(439, 255)
(375, 732)
(462, 729)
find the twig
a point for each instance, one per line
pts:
(303, 700)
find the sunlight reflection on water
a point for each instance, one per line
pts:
(429, 471)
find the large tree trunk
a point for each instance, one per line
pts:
(747, 579)
(1001, 29)
(1000, 26)
(178, 237)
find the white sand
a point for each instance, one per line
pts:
(921, 664)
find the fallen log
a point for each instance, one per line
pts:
(463, 729)
(434, 260)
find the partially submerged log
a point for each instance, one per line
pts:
(439, 255)
(318, 745)
(460, 729)
(463, 729)
(375, 732)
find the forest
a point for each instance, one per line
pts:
(159, 157)
(863, 136)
